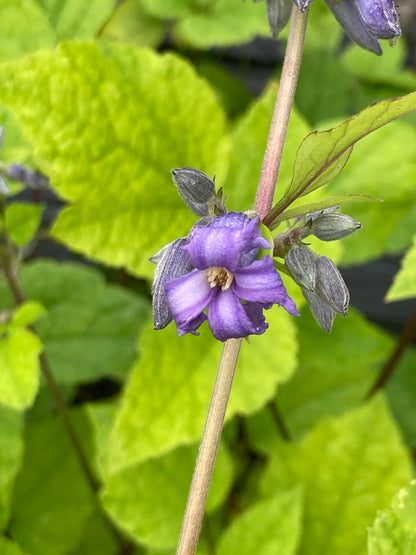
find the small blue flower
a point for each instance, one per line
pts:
(227, 279)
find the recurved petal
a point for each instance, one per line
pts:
(348, 16)
(228, 319)
(172, 262)
(187, 297)
(260, 283)
(381, 17)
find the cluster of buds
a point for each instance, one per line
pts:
(364, 21)
(321, 282)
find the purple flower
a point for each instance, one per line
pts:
(227, 279)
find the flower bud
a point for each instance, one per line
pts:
(32, 179)
(330, 285)
(322, 312)
(195, 188)
(4, 188)
(278, 13)
(172, 261)
(330, 227)
(301, 264)
(348, 16)
(380, 17)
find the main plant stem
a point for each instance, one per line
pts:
(194, 512)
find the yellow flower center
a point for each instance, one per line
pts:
(219, 276)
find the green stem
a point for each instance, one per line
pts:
(194, 512)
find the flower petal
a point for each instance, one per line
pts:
(228, 318)
(261, 283)
(187, 297)
(381, 17)
(347, 14)
(225, 242)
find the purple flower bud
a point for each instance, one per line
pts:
(32, 179)
(195, 188)
(380, 17)
(4, 188)
(278, 13)
(172, 262)
(330, 285)
(330, 227)
(301, 264)
(321, 311)
(348, 16)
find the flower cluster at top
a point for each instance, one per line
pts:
(224, 271)
(364, 21)
(219, 268)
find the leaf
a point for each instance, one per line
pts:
(27, 313)
(328, 385)
(171, 385)
(322, 155)
(90, 328)
(19, 368)
(97, 538)
(76, 19)
(22, 221)
(8, 547)
(348, 467)
(129, 23)
(51, 499)
(148, 499)
(11, 454)
(404, 284)
(272, 526)
(394, 530)
(116, 140)
(207, 23)
(320, 205)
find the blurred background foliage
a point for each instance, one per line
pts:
(103, 98)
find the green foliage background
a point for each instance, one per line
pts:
(89, 97)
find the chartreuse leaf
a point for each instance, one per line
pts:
(75, 18)
(171, 385)
(205, 23)
(11, 454)
(148, 499)
(19, 367)
(27, 313)
(97, 538)
(404, 284)
(394, 530)
(51, 500)
(138, 115)
(22, 221)
(349, 467)
(130, 23)
(271, 526)
(90, 328)
(9, 547)
(322, 155)
(327, 385)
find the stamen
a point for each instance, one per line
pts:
(221, 277)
